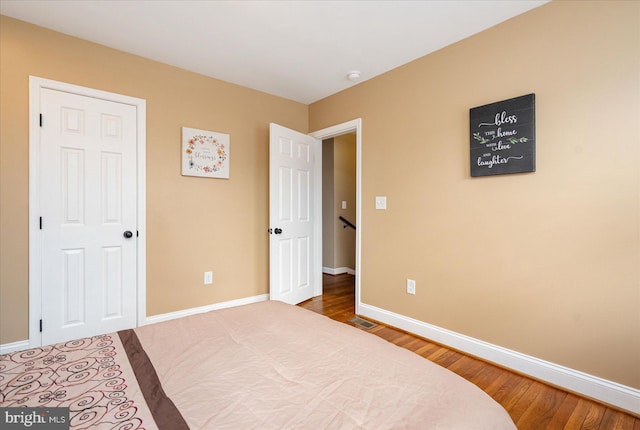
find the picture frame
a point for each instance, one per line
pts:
(205, 153)
(502, 137)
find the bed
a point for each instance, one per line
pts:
(266, 365)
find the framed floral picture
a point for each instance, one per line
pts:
(205, 153)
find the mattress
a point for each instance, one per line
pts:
(267, 365)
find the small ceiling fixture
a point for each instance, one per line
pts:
(353, 75)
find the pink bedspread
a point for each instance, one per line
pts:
(272, 366)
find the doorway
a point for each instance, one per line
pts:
(339, 204)
(355, 127)
(87, 248)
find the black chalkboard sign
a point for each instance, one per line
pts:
(503, 137)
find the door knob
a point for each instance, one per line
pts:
(277, 231)
(127, 234)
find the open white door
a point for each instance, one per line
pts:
(295, 215)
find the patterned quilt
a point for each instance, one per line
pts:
(91, 377)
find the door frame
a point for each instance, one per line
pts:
(36, 84)
(353, 126)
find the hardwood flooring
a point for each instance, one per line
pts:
(532, 405)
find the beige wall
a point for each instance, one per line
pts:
(544, 263)
(193, 224)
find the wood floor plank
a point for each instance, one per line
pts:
(612, 420)
(532, 405)
(436, 354)
(593, 416)
(563, 412)
(524, 402)
(540, 412)
(498, 383)
(509, 393)
(427, 349)
(448, 358)
(466, 366)
(486, 375)
(404, 340)
(387, 333)
(414, 345)
(578, 416)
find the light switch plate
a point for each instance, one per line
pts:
(208, 278)
(411, 286)
(381, 202)
(344, 204)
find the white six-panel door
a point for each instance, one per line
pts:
(294, 224)
(88, 203)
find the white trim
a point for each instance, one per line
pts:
(338, 270)
(354, 125)
(590, 386)
(207, 308)
(14, 346)
(141, 112)
(35, 245)
(317, 216)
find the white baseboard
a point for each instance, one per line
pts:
(14, 346)
(338, 270)
(590, 386)
(215, 306)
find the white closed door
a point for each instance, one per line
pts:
(88, 216)
(295, 229)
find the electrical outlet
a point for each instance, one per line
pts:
(208, 278)
(411, 286)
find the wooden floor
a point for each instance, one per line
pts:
(531, 404)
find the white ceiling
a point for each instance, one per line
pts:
(299, 50)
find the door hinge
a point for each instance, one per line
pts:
(40, 223)
(40, 120)
(40, 326)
